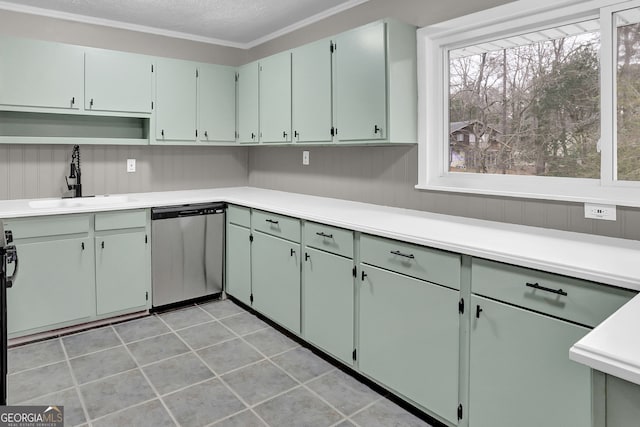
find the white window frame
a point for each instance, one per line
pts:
(514, 18)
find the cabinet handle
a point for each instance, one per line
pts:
(296, 134)
(162, 133)
(544, 288)
(73, 101)
(363, 275)
(410, 256)
(293, 252)
(478, 311)
(91, 103)
(102, 244)
(206, 134)
(321, 234)
(284, 134)
(377, 129)
(82, 245)
(253, 135)
(271, 221)
(306, 256)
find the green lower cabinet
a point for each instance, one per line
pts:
(408, 338)
(520, 372)
(328, 303)
(55, 285)
(122, 282)
(238, 273)
(623, 403)
(275, 275)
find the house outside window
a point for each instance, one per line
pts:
(536, 99)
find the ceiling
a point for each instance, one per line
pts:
(236, 23)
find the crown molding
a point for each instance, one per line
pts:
(14, 7)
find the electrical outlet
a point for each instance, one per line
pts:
(605, 212)
(305, 158)
(131, 165)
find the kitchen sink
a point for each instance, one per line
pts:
(78, 202)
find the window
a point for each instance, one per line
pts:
(536, 99)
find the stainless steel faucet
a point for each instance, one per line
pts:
(75, 173)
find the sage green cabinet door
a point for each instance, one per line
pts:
(275, 98)
(55, 284)
(409, 338)
(275, 277)
(311, 92)
(122, 272)
(117, 81)
(360, 85)
(238, 258)
(40, 74)
(520, 372)
(175, 100)
(248, 103)
(328, 303)
(216, 103)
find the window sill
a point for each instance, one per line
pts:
(586, 192)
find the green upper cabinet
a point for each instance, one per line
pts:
(216, 103)
(247, 116)
(361, 94)
(40, 75)
(117, 81)
(176, 100)
(275, 98)
(375, 86)
(122, 272)
(311, 92)
(520, 372)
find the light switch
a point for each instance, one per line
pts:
(131, 165)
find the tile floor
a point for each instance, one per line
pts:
(208, 364)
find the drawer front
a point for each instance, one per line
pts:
(576, 300)
(327, 238)
(276, 225)
(120, 219)
(423, 263)
(44, 226)
(239, 215)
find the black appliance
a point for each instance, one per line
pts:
(8, 255)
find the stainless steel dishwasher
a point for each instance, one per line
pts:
(187, 252)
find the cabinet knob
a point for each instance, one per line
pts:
(91, 103)
(206, 134)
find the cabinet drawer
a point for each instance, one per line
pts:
(44, 226)
(568, 298)
(120, 219)
(327, 238)
(276, 225)
(239, 215)
(428, 264)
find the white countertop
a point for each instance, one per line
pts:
(601, 259)
(613, 346)
(610, 347)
